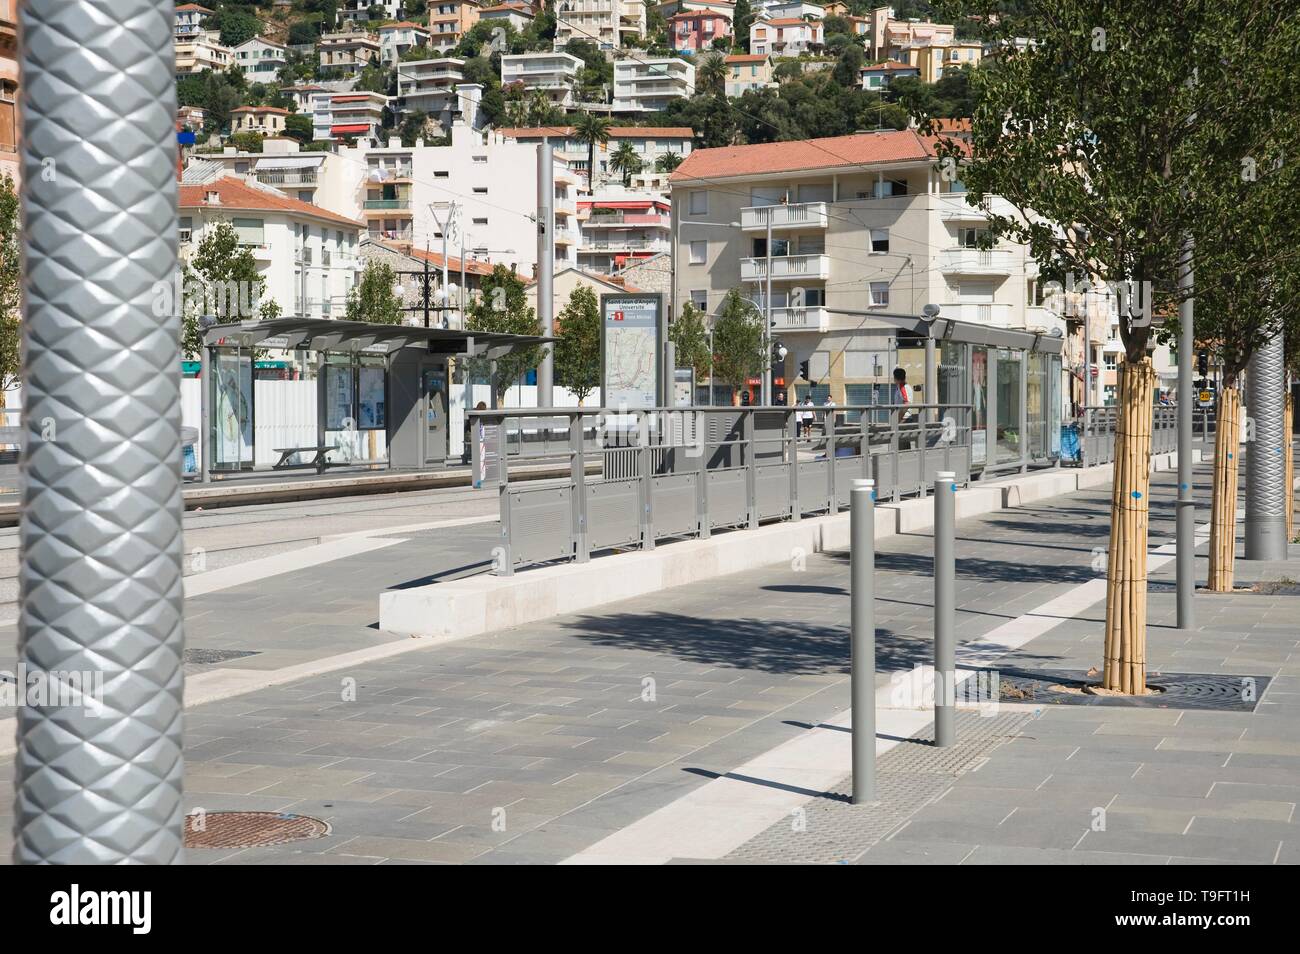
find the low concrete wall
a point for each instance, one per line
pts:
(461, 608)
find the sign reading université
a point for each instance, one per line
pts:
(631, 345)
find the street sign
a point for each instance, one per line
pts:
(631, 350)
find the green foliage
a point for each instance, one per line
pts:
(414, 125)
(689, 334)
(577, 352)
(593, 129)
(668, 161)
(738, 351)
(711, 74)
(502, 306)
(11, 276)
(236, 26)
(743, 18)
(220, 271)
(247, 141)
(299, 126)
(303, 32)
(373, 298)
(625, 161)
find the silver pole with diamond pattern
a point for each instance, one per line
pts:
(98, 771)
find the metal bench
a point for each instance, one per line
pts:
(318, 460)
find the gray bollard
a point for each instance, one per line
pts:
(945, 601)
(862, 562)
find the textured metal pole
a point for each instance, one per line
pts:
(931, 378)
(766, 397)
(1185, 561)
(670, 374)
(545, 268)
(945, 602)
(862, 639)
(100, 576)
(1265, 464)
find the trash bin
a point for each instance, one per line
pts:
(189, 452)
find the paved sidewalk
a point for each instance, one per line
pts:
(536, 743)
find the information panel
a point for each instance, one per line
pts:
(632, 334)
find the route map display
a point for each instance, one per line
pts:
(631, 344)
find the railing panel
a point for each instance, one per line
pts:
(613, 511)
(727, 497)
(539, 524)
(772, 486)
(812, 486)
(675, 505)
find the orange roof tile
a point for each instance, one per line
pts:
(472, 266)
(534, 132)
(260, 109)
(651, 132)
(239, 196)
(787, 21)
(836, 152)
(745, 58)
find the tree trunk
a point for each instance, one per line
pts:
(1126, 567)
(1288, 428)
(1223, 508)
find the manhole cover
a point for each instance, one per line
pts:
(249, 829)
(1177, 690)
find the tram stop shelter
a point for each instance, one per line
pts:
(1010, 378)
(372, 380)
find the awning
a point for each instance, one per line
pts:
(350, 129)
(948, 329)
(328, 334)
(291, 162)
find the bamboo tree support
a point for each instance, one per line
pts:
(1223, 508)
(1288, 428)
(1126, 567)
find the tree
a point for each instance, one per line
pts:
(743, 17)
(221, 279)
(711, 74)
(737, 341)
(690, 337)
(625, 161)
(414, 125)
(299, 126)
(668, 161)
(373, 299)
(577, 352)
(236, 26)
(1097, 135)
(11, 277)
(502, 307)
(593, 130)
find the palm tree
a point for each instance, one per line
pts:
(711, 74)
(668, 161)
(625, 161)
(592, 129)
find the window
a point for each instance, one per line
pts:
(441, 174)
(698, 251)
(480, 190)
(699, 203)
(879, 240)
(250, 231)
(886, 188)
(970, 237)
(700, 298)
(482, 221)
(187, 228)
(1034, 293)
(1110, 361)
(879, 294)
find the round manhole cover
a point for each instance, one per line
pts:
(249, 829)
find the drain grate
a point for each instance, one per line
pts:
(250, 829)
(207, 657)
(1178, 690)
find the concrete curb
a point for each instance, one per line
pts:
(462, 608)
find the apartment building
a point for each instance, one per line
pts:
(358, 11)
(188, 19)
(396, 39)
(450, 20)
(746, 71)
(693, 31)
(192, 118)
(260, 59)
(649, 143)
(315, 178)
(9, 119)
(858, 222)
(648, 85)
(266, 120)
(555, 74)
(517, 15)
(308, 257)
(429, 86)
(786, 36)
(931, 61)
(788, 9)
(610, 24)
(402, 193)
(618, 226)
(349, 53)
(303, 96)
(201, 51)
(354, 115)
(878, 76)
(888, 35)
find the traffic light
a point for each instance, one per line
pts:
(803, 370)
(1202, 363)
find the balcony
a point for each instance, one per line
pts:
(995, 315)
(626, 219)
(387, 205)
(799, 215)
(976, 261)
(279, 177)
(615, 244)
(953, 207)
(800, 319)
(786, 268)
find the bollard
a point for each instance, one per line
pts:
(945, 647)
(862, 640)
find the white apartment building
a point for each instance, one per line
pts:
(779, 9)
(349, 53)
(785, 36)
(303, 96)
(395, 39)
(518, 15)
(309, 257)
(315, 178)
(267, 120)
(647, 85)
(555, 74)
(189, 19)
(260, 59)
(201, 51)
(353, 115)
(607, 23)
(402, 193)
(430, 86)
(358, 11)
(859, 222)
(618, 226)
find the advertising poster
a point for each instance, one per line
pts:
(338, 398)
(232, 409)
(371, 406)
(631, 346)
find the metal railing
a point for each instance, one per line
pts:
(685, 472)
(1097, 426)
